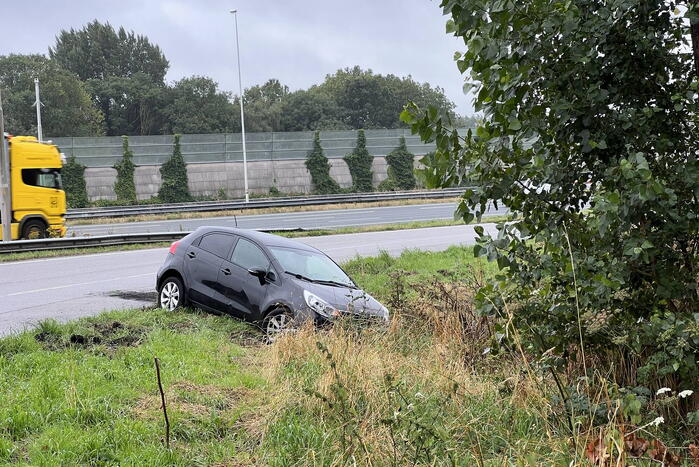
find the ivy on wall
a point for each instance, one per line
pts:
(401, 169)
(319, 167)
(73, 173)
(125, 186)
(175, 183)
(359, 163)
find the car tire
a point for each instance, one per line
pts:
(279, 321)
(171, 294)
(34, 228)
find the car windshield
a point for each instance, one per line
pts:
(311, 265)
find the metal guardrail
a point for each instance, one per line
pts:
(103, 240)
(317, 200)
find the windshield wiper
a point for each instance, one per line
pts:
(320, 281)
(338, 284)
(300, 276)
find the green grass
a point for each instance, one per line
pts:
(85, 393)
(26, 255)
(91, 399)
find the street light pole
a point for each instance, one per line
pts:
(242, 112)
(5, 201)
(38, 105)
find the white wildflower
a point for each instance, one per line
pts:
(685, 393)
(419, 395)
(657, 421)
(662, 391)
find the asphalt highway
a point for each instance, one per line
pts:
(307, 220)
(75, 286)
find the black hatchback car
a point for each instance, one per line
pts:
(259, 277)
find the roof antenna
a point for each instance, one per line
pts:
(236, 221)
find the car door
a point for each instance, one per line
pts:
(203, 261)
(244, 293)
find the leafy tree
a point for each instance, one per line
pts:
(67, 109)
(175, 183)
(319, 167)
(124, 73)
(366, 100)
(401, 168)
(311, 109)
(359, 162)
(131, 106)
(125, 186)
(197, 106)
(590, 137)
(263, 106)
(73, 174)
(98, 51)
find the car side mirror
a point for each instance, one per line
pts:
(259, 273)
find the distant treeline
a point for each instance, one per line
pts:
(101, 81)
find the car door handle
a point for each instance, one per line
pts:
(192, 254)
(226, 271)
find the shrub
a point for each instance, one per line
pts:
(389, 184)
(401, 167)
(74, 183)
(359, 163)
(175, 184)
(125, 186)
(601, 262)
(319, 167)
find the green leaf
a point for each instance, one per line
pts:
(515, 125)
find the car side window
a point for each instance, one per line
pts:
(217, 243)
(249, 256)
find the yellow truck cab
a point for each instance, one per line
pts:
(38, 202)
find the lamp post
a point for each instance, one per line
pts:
(242, 112)
(38, 104)
(5, 202)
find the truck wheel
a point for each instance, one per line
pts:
(34, 228)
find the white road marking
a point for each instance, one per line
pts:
(79, 256)
(24, 292)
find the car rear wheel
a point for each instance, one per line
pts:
(278, 322)
(171, 294)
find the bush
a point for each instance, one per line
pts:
(359, 162)
(74, 184)
(401, 167)
(175, 184)
(125, 186)
(319, 167)
(389, 184)
(600, 265)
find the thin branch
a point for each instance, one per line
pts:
(164, 406)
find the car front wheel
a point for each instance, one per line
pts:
(278, 322)
(171, 294)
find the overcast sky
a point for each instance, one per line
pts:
(298, 42)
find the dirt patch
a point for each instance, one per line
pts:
(148, 297)
(112, 334)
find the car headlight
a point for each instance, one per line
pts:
(319, 305)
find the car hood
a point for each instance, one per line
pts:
(344, 298)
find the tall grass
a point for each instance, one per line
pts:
(422, 390)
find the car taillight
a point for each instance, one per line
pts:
(173, 247)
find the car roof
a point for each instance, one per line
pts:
(262, 238)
